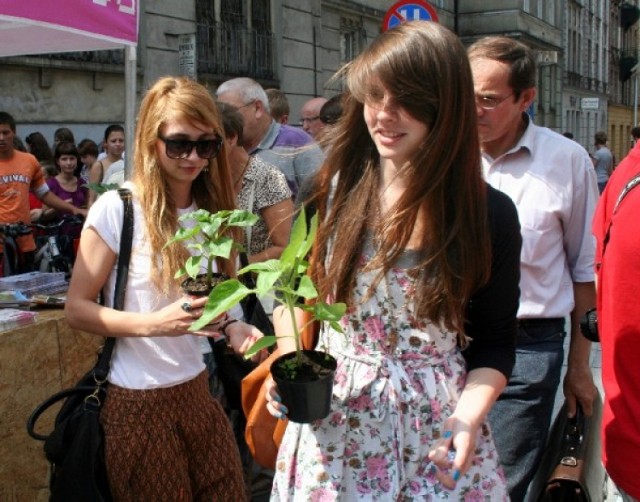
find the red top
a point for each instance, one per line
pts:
(618, 303)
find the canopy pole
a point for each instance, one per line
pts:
(130, 81)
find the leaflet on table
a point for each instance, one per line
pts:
(13, 318)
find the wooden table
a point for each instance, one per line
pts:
(35, 362)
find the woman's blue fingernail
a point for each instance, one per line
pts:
(456, 475)
(284, 409)
(277, 398)
(282, 416)
(447, 434)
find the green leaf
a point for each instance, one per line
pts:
(296, 240)
(101, 188)
(182, 234)
(272, 265)
(262, 343)
(211, 229)
(306, 289)
(241, 218)
(180, 273)
(311, 235)
(192, 266)
(221, 247)
(224, 296)
(266, 281)
(329, 312)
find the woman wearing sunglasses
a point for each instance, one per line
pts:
(166, 437)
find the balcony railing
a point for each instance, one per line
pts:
(232, 50)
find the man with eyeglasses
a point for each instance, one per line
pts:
(310, 116)
(288, 148)
(551, 180)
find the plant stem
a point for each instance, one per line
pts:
(291, 301)
(210, 270)
(296, 331)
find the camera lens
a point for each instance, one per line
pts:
(589, 325)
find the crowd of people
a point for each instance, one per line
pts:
(464, 269)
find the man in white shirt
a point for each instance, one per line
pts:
(552, 182)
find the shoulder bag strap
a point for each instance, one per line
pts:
(122, 275)
(631, 184)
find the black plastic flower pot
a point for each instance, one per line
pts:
(200, 286)
(305, 390)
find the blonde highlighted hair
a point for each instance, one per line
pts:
(176, 98)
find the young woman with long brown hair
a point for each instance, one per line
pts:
(426, 256)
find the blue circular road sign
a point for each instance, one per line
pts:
(408, 10)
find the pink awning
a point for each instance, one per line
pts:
(43, 26)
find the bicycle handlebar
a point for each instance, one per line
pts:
(14, 229)
(75, 219)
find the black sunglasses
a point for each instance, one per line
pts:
(182, 148)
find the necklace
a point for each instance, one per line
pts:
(244, 170)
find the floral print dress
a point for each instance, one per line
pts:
(397, 380)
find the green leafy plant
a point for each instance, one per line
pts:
(286, 280)
(209, 238)
(101, 188)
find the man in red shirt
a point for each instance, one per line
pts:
(20, 173)
(618, 275)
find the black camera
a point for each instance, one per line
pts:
(589, 325)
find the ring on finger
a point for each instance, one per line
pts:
(186, 306)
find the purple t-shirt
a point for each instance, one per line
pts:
(77, 198)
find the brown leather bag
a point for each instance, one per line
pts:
(571, 469)
(264, 432)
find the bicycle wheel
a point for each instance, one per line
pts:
(60, 264)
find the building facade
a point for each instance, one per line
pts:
(585, 49)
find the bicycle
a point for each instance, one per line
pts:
(11, 257)
(54, 254)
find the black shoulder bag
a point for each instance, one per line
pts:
(75, 447)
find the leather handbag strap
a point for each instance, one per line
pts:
(631, 184)
(122, 275)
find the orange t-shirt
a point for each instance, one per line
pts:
(18, 175)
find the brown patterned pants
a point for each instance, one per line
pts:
(171, 444)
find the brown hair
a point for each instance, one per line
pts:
(511, 52)
(278, 103)
(169, 98)
(423, 66)
(232, 122)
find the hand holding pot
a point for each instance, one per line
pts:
(176, 318)
(274, 401)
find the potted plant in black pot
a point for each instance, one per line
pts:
(210, 239)
(304, 377)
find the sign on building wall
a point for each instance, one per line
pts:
(187, 55)
(590, 103)
(408, 10)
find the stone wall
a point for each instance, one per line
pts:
(35, 362)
